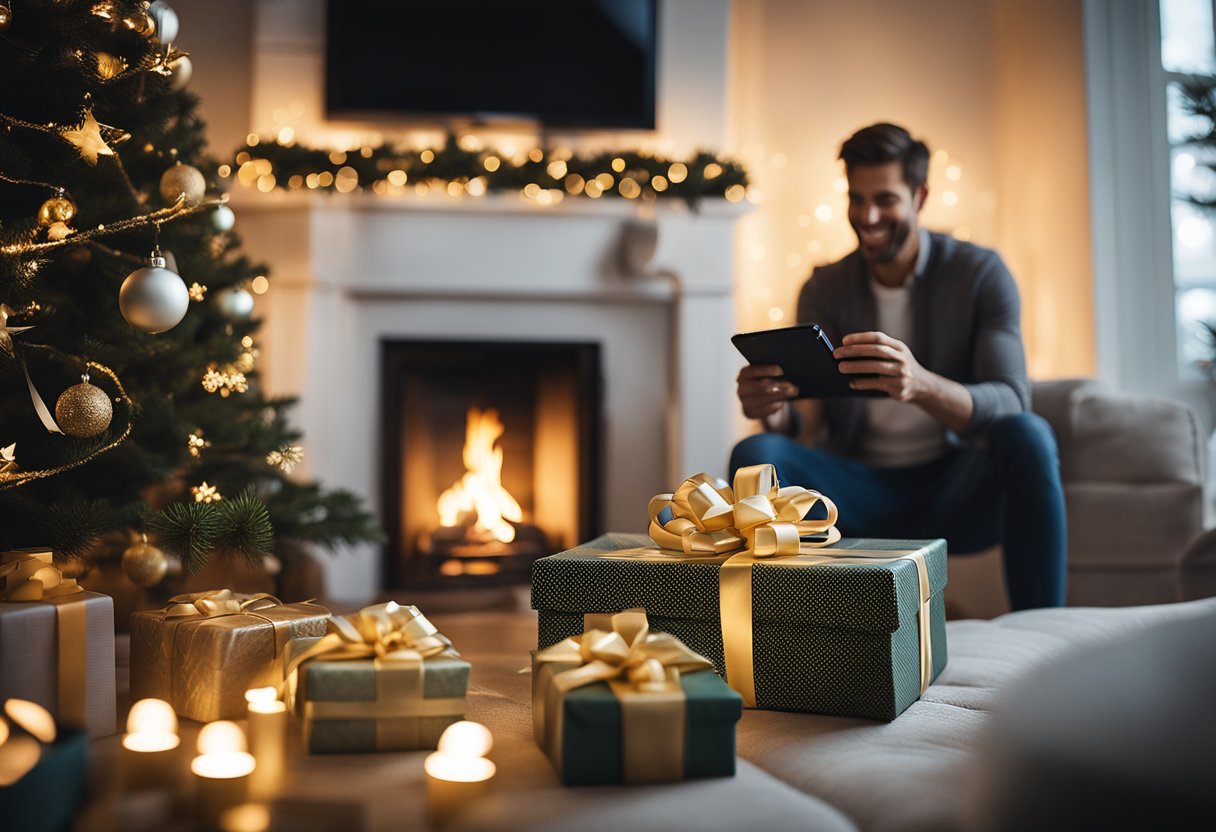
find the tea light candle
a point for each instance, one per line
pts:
(457, 773)
(221, 771)
(267, 741)
(150, 746)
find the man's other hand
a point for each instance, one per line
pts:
(763, 390)
(899, 374)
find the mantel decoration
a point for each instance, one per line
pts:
(462, 166)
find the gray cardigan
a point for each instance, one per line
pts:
(966, 327)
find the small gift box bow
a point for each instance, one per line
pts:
(383, 631)
(705, 516)
(30, 575)
(627, 651)
(217, 602)
(642, 669)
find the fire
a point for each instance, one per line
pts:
(480, 490)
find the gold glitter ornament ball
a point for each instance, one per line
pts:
(56, 209)
(6, 16)
(182, 180)
(144, 564)
(83, 410)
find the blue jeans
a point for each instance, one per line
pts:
(1006, 492)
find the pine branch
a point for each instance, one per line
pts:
(189, 531)
(245, 527)
(75, 526)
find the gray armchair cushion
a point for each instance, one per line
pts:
(1135, 439)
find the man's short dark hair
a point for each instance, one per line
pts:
(881, 143)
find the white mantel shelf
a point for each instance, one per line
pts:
(653, 286)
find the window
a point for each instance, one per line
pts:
(1188, 50)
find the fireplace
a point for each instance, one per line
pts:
(491, 458)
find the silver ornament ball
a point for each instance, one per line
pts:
(235, 302)
(183, 180)
(153, 299)
(180, 72)
(222, 218)
(166, 21)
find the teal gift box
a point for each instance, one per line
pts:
(46, 797)
(652, 723)
(382, 679)
(854, 629)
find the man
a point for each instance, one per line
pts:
(949, 449)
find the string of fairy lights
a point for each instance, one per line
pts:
(464, 167)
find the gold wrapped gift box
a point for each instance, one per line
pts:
(204, 650)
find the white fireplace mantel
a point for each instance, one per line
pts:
(655, 292)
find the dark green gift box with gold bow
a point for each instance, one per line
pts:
(839, 639)
(792, 616)
(621, 704)
(381, 679)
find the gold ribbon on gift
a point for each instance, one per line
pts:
(30, 575)
(642, 669)
(705, 517)
(399, 640)
(215, 603)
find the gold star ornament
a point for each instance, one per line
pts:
(91, 138)
(7, 332)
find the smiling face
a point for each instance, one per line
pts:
(883, 211)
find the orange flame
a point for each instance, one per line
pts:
(480, 490)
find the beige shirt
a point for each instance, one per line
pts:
(898, 434)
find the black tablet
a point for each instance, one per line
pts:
(804, 353)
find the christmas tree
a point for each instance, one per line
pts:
(129, 397)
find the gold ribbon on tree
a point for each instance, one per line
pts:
(706, 517)
(399, 640)
(642, 669)
(31, 575)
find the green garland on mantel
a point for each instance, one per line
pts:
(545, 175)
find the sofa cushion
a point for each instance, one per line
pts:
(916, 773)
(1130, 438)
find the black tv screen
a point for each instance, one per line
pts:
(564, 63)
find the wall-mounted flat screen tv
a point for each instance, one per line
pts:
(560, 63)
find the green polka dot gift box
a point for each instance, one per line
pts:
(856, 628)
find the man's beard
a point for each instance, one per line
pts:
(900, 231)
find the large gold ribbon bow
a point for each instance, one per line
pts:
(217, 602)
(30, 575)
(705, 516)
(643, 670)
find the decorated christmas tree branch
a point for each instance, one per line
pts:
(193, 531)
(545, 175)
(179, 209)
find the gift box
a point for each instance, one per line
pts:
(45, 798)
(56, 643)
(383, 679)
(204, 650)
(622, 704)
(852, 627)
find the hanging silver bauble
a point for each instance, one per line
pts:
(182, 180)
(166, 21)
(153, 299)
(235, 302)
(180, 72)
(222, 218)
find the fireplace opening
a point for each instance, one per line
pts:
(492, 458)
